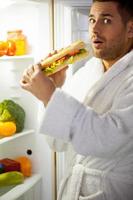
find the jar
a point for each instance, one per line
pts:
(20, 40)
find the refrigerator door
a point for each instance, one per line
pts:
(71, 24)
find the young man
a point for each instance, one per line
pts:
(101, 128)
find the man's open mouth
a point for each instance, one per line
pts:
(97, 41)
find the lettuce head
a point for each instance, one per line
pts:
(11, 111)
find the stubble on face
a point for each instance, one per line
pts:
(111, 51)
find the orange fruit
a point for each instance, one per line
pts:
(26, 165)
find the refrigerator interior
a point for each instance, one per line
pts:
(40, 184)
(33, 17)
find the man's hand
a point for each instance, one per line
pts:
(41, 86)
(34, 81)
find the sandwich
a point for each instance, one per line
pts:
(69, 55)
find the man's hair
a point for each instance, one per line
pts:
(125, 8)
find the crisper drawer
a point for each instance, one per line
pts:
(19, 145)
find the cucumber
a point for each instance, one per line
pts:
(11, 178)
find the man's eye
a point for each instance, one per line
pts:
(91, 21)
(106, 21)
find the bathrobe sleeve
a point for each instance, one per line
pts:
(89, 132)
(90, 76)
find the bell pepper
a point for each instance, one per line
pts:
(7, 129)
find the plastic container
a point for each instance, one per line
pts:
(20, 40)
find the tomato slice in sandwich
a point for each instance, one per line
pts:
(73, 53)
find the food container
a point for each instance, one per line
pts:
(20, 40)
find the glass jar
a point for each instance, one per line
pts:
(20, 40)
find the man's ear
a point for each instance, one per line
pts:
(130, 29)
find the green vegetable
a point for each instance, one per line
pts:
(11, 111)
(11, 178)
(82, 51)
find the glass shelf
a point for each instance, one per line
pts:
(17, 135)
(13, 58)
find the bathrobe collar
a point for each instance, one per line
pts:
(114, 71)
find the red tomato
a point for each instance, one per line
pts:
(11, 48)
(3, 48)
(74, 52)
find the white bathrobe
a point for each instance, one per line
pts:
(100, 131)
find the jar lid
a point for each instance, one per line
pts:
(14, 31)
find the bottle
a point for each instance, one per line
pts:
(20, 40)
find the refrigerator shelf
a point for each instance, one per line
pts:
(14, 58)
(12, 193)
(17, 135)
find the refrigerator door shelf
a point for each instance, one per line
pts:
(30, 189)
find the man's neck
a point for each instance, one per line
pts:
(107, 64)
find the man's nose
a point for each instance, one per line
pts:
(96, 27)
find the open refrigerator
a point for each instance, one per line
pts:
(48, 24)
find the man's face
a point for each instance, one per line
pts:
(109, 36)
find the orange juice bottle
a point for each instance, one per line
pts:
(20, 40)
